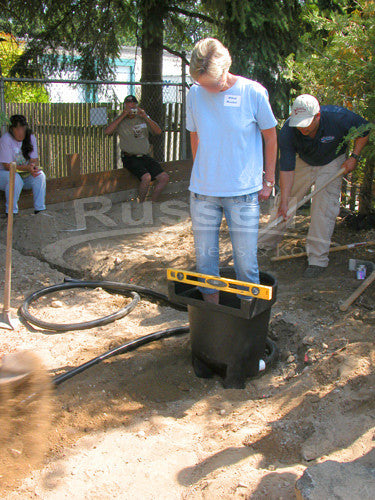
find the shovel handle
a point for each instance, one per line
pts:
(279, 219)
(8, 253)
(345, 305)
(304, 200)
(332, 249)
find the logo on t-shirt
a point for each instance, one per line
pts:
(138, 129)
(327, 138)
(232, 100)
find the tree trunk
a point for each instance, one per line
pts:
(152, 14)
(365, 194)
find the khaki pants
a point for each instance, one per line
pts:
(325, 207)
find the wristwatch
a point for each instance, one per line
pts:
(268, 183)
(355, 156)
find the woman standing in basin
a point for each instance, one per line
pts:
(227, 115)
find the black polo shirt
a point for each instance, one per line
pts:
(335, 123)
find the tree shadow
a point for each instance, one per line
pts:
(314, 428)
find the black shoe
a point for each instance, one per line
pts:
(313, 271)
(5, 216)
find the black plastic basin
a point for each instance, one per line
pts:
(228, 339)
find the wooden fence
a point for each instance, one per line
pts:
(65, 128)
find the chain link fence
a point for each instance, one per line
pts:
(76, 112)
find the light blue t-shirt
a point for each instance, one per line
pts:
(229, 159)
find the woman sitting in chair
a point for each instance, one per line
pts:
(19, 145)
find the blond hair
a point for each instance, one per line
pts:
(211, 58)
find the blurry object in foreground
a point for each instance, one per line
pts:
(25, 414)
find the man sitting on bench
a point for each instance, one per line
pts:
(133, 127)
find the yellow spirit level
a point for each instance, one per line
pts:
(225, 284)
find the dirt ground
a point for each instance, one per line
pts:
(141, 425)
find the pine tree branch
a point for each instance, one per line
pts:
(176, 53)
(196, 15)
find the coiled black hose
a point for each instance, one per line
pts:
(111, 286)
(124, 289)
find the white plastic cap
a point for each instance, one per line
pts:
(304, 108)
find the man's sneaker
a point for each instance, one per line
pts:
(313, 271)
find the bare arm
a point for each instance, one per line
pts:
(34, 168)
(270, 151)
(154, 126)
(23, 168)
(194, 141)
(31, 167)
(286, 184)
(34, 162)
(351, 162)
(112, 126)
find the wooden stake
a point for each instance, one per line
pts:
(332, 249)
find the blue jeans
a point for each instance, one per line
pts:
(242, 216)
(37, 184)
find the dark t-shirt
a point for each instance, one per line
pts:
(335, 123)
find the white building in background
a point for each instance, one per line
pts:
(127, 69)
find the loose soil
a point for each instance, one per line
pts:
(141, 425)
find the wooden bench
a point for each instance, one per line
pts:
(77, 185)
